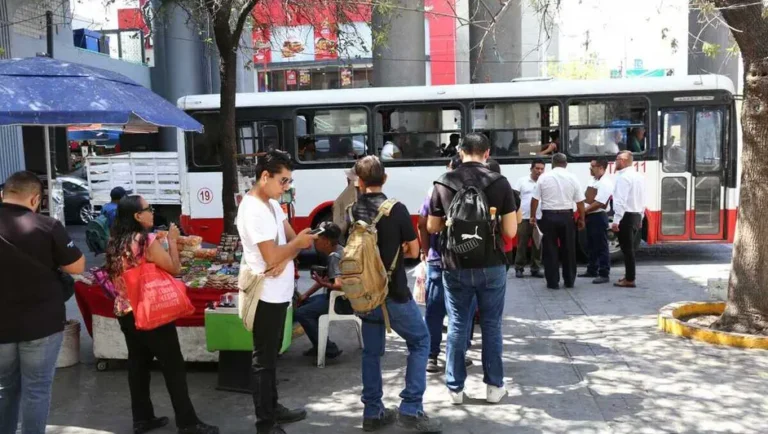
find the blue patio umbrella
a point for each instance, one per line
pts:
(49, 92)
(45, 91)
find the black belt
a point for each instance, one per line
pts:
(557, 211)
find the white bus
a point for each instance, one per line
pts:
(688, 154)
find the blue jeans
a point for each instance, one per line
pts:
(308, 315)
(489, 285)
(597, 245)
(435, 312)
(406, 320)
(26, 377)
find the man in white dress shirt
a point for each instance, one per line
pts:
(526, 248)
(556, 192)
(628, 207)
(598, 194)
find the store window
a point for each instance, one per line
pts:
(315, 79)
(331, 134)
(417, 132)
(608, 126)
(517, 129)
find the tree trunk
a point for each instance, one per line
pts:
(747, 306)
(228, 136)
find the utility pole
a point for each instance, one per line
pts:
(49, 33)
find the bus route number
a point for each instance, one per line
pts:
(205, 196)
(639, 166)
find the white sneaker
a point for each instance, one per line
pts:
(457, 398)
(495, 394)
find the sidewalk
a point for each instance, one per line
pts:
(587, 360)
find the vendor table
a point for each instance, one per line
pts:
(108, 341)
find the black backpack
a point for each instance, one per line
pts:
(471, 236)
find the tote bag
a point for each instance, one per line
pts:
(156, 297)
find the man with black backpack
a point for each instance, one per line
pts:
(472, 207)
(395, 240)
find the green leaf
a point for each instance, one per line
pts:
(709, 49)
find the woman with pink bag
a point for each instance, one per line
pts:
(130, 245)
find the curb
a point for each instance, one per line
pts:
(669, 322)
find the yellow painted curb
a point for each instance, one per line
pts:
(669, 322)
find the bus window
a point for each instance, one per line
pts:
(675, 141)
(417, 132)
(331, 134)
(608, 126)
(205, 147)
(247, 139)
(516, 129)
(709, 140)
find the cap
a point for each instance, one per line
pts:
(117, 193)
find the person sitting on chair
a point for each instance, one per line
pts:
(312, 308)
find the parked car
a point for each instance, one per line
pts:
(77, 199)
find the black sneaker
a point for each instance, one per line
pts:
(601, 279)
(537, 274)
(274, 429)
(419, 423)
(149, 425)
(388, 418)
(519, 274)
(312, 352)
(284, 415)
(467, 363)
(432, 366)
(200, 428)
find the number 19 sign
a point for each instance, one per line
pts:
(205, 196)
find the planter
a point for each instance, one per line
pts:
(70, 345)
(670, 321)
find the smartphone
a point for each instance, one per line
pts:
(317, 231)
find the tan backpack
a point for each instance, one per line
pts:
(364, 278)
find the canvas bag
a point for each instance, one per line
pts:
(251, 285)
(156, 297)
(364, 278)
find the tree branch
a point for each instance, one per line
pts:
(242, 17)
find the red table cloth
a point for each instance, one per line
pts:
(92, 301)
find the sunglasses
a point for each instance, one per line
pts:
(149, 208)
(286, 181)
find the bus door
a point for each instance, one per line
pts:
(693, 173)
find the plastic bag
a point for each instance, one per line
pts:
(156, 297)
(420, 287)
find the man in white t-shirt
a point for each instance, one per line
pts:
(527, 251)
(393, 149)
(270, 246)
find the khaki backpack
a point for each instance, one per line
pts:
(364, 278)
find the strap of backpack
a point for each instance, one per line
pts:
(384, 210)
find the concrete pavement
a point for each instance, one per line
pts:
(587, 360)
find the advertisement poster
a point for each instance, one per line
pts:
(326, 42)
(290, 77)
(346, 77)
(292, 44)
(262, 49)
(304, 78)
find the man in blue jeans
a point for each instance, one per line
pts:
(395, 234)
(435, 310)
(32, 247)
(485, 279)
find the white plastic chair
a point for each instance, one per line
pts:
(325, 322)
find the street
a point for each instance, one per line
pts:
(586, 360)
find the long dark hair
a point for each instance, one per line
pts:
(124, 231)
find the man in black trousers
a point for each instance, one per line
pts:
(556, 192)
(628, 209)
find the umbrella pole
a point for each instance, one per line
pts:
(49, 170)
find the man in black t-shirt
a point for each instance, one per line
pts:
(395, 234)
(33, 248)
(488, 282)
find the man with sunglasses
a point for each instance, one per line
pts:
(33, 247)
(270, 246)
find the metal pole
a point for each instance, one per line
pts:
(49, 169)
(49, 33)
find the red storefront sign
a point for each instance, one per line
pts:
(290, 77)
